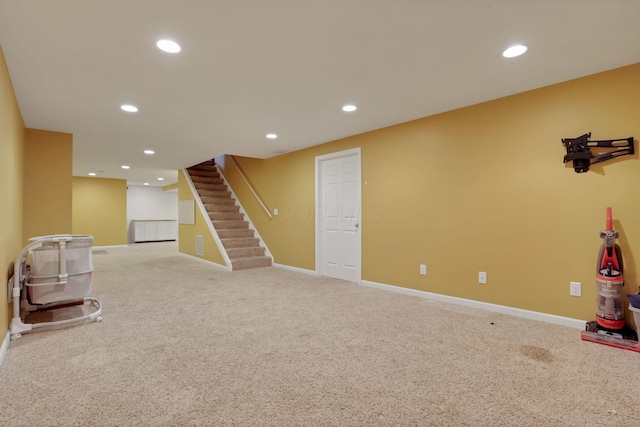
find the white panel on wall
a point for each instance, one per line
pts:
(186, 212)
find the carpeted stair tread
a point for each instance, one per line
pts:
(218, 200)
(210, 192)
(235, 233)
(226, 216)
(228, 225)
(210, 177)
(206, 180)
(210, 187)
(202, 174)
(236, 253)
(209, 165)
(241, 242)
(252, 262)
(214, 207)
(215, 194)
(205, 177)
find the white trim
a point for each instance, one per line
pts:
(109, 246)
(205, 261)
(246, 216)
(296, 269)
(318, 191)
(4, 347)
(517, 312)
(207, 220)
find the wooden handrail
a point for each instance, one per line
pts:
(240, 171)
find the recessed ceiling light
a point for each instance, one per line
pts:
(149, 152)
(146, 183)
(92, 174)
(514, 51)
(160, 179)
(272, 136)
(129, 108)
(168, 46)
(125, 167)
(349, 108)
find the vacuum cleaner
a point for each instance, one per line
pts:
(609, 327)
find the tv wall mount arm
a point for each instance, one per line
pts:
(579, 150)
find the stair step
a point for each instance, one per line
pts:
(243, 242)
(204, 176)
(208, 177)
(253, 262)
(204, 165)
(217, 207)
(226, 216)
(218, 201)
(228, 225)
(206, 180)
(214, 193)
(209, 180)
(235, 233)
(202, 170)
(236, 253)
(211, 173)
(210, 187)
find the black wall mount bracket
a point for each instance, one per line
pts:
(579, 150)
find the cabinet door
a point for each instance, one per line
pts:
(164, 230)
(150, 231)
(138, 231)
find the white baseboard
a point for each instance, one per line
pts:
(503, 309)
(297, 269)
(205, 261)
(4, 347)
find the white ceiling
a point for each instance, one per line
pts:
(250, 67)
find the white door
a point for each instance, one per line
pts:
(339, 216)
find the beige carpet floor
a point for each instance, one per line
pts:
(183, 343)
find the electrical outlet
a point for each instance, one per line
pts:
(423, 269)
(575, 289)
(482, 277)
(275, 211)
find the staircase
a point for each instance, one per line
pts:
(239, 241)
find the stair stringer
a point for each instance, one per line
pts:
(267, 252)
(207, 219)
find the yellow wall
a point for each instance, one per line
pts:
(481, 188)
(187, 233)
(100, 209)
(47, 183)
(11, 167)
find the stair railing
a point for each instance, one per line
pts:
(246, 181)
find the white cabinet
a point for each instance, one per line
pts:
(154, 230)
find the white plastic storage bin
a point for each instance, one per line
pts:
(45, 269)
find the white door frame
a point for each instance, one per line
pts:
(319, 160)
